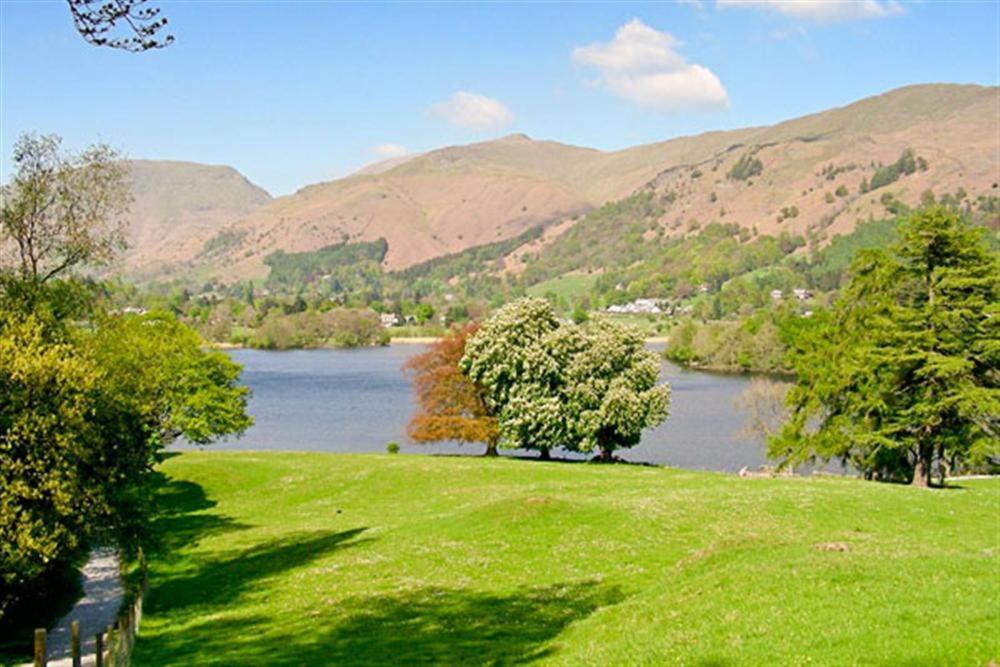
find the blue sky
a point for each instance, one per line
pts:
(292, 93)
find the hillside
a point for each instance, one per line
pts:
(177, 207)
(805, 176)
(802, 176)
(431, 205)
(315, 559)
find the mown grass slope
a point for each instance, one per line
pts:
(313, 559)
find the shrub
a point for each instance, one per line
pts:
(392, 447)
(745, 168)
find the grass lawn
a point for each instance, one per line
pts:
(569, 286)
(319, 559)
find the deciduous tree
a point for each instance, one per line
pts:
(61, 210)
(130, 25)
(504, 357)
(585, 388)
(450, 406)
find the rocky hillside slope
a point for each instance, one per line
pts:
(811, 176)
(177, 208)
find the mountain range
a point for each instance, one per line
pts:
(809, 175)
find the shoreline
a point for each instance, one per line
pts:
(400, 340)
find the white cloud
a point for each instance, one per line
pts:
(642, 65)
(390, 150)
(822, 11)
(473, 111)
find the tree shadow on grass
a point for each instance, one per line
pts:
(220, 581)
(423, 627)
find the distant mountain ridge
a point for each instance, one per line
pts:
(210, 222)
(177, 207)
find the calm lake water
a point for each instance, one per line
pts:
(358, 400)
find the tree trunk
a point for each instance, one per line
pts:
(942, 465)
(491, 449)
(607, 455)
(545, 454)
(922, 469)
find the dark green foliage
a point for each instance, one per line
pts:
(788, 212)
(888, 174)
(467, 261)
(85, 413)
(346, 267)
(830, 171)
(468, 272)
(224, 240)
(825, 269)
(746, 167)
(340, 327)
(751, 344)
(902, 373)
(610, 236)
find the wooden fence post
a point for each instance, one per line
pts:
(111, 646)
(74, 642)
(40, 647)
(99, 649)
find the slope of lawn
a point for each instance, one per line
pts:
(318, 559)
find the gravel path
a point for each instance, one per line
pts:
(96, 610)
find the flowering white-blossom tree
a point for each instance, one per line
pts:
(585, 388)
(610, 389)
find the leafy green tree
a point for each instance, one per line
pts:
(423, 312)
(902, 372)
(47, 494)
(60, 210)
(85, 411)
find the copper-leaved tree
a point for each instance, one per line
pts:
(450, 406)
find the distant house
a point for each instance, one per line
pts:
(389, 320)
(802, 294)
(777, 294)
(133, 310)
(639, 306)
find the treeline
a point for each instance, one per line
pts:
(750, 344)
(717, 271)
(897, 375)
(342, 268)
(341, 327)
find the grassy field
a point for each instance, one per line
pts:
(570, 286)
(313, 559)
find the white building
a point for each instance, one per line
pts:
(639, 306)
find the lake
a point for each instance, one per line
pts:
(358, 400)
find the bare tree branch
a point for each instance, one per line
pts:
(120, 24)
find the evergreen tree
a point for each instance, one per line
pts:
(903, 372)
